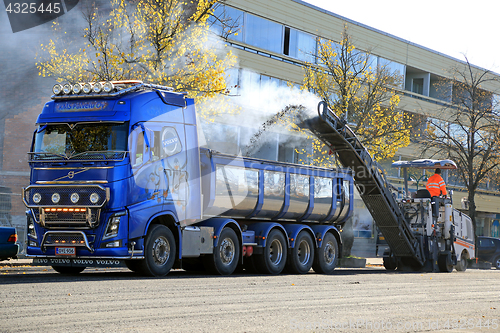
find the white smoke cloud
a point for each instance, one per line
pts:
(260, 100)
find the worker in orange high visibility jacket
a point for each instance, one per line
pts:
(436, 185)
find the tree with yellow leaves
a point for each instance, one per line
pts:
(164, 42)
(361, 92)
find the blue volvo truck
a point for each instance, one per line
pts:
(118, 178)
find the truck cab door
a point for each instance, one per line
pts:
(147, 182)
(174, 162)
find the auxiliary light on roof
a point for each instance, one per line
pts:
(77, 88)
(85, 88)
(103, 89)
(67, 89)
(97, 87)
(108, 87)
(57, 89)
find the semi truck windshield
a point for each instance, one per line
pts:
(84, 140)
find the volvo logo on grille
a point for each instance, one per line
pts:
(71, 174)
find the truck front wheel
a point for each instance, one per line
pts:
(325, 260)
(159, 251)
(273, 260)
(226, 254)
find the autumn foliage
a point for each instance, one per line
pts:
(362, 92)
(157, 41)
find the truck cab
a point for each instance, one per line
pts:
(99, 166)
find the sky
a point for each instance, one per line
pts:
(452, 27)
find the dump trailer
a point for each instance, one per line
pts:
(423, 232)
(118, 178)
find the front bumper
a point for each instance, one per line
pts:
(80, 261)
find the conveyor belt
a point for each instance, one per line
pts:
(370, 181)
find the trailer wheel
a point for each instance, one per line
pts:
(445, 263)
(325, 260)
(461, 266)
(273, 260)
(226, 254)
(301, 257)
(68, 270)
(159, 251)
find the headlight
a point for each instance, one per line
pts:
(74, 198)
(108, 87)
(77, 88)
(87, 88)
(112, 228)
(37, 197)
(57, 89)
(94, 197)
(56, 197)
(31, 228)
(97, 88)
(67, 89)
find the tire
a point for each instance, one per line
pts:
(159, 252)
(461, 266)
(226, 254)
(68, 270)
(301, 257)
(390, 262)
(444, 263)
(273, 260)
(133, 265)
(496, 262)
(325, 260)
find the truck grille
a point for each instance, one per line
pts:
(68, 217)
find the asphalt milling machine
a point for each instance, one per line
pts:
(423, 233)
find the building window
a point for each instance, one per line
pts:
(299, 45)
(417, 86)
(495, 104)
(263, 33)
(396, 69)
(267, 81)
(440, 88)
(227, 22)
(495, 229)
(233, 82)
